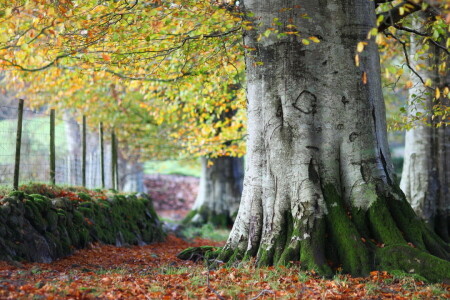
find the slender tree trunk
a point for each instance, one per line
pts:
(319, 184)
(219, 192)
(426, 168)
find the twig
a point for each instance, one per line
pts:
(262, 293)
(405, 51)
(208, 285)
(422, 34)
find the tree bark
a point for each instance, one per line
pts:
(426, 168)
(219, 192)
(319, 184)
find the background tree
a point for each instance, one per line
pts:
(425, 179)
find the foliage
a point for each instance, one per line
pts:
(149, 68)
(404, 68)
(173, 167)
(152, 272)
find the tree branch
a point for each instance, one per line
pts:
(393, 16)
(405, 52)
(430, 40)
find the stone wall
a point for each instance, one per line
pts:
(40, 229)
(173, 195)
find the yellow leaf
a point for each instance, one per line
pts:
(408, 84)
(360, 46)
(305, 41)
(314, 39)
(357, 60)
(437, 93)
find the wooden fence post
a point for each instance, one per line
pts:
(18, 145)
(102, 156)
(52, 148)
(83, 166)
(113, 155)
(116, 160)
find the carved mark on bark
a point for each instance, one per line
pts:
(312, 173)
(374, 119)
(352, 137)
(279, 113)
(340, 126)
(344, 100)
(383, 161)
(366, 172)
(312, 148)
(306, 102)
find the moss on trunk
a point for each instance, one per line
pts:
(386, 236)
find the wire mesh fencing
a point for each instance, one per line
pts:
(54, 150)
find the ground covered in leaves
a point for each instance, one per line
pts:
(153, 272)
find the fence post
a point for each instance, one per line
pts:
(113, 160)
(102, 156)
(116, 160)
(52, 147)
(83, 166)
(18, 145)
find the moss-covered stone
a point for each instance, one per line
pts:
(195, 253)
(57, 227)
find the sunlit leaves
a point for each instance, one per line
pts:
(151, 67)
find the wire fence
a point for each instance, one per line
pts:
(55, 149)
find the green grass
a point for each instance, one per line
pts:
(207, 231)
(35, 136)
(190, 167)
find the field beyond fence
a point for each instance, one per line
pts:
(38, 147)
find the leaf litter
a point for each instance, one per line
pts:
(154, 272)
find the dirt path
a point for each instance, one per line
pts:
(153, 272)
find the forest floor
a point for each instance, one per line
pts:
(154, 272)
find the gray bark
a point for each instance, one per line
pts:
(312, 121)
(426, 168)
(220, 191)
(317, 151)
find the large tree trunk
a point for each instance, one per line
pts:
(319, 183)
(219, 193)
(426, 168)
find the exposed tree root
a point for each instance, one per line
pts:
(387, 236)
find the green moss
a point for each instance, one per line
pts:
(52, 219)
(351, 251)
(17, 194)
(65, 227)
(312, 250)
(287, 248)
(383, 227)
(78, 218)
(42, 202)
(84, 196)
(87, 212)
(413, 260)
(265, 256)
(33, 214)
